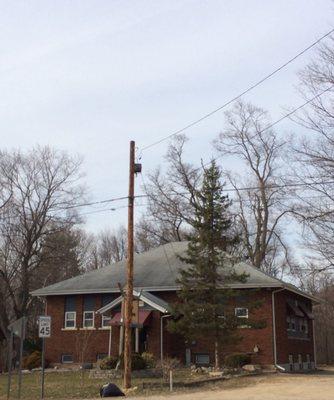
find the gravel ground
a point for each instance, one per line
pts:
(315, 386)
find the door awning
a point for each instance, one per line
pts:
(306, 311)
(295, 309)
(144, 317)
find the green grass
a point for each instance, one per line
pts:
(58, 385)
(76, 385)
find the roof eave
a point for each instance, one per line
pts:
(66, 292)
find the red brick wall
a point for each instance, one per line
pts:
(76, 342)
(96, 341)
(286, 345)
(176, 346)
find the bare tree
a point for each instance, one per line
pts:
(102, 249)
(259, 192)
(314, 156)
(170, 199)
(45, 186)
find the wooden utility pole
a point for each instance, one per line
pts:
(129, 272)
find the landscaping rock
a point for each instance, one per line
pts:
(111, 390)
(251, 368)
(216, 373)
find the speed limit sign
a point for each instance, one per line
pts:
(44, 327)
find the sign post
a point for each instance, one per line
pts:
(18, 329)
(44, 331)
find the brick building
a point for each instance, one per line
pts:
(86, 314)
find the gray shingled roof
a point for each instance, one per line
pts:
(154, 270)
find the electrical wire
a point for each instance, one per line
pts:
(258, 83)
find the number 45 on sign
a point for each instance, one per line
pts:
(44, 327)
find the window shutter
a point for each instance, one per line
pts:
(89, 303)
(70, 303)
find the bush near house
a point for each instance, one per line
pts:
(33, 360)
(237, 360)
(138, 362)
(108, 363)
(149, 360)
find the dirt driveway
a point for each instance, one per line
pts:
(317, 386)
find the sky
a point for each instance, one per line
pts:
(89, 76)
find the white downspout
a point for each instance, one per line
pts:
(109, 346)
(162, 336)
(314, 345)
(274, 328)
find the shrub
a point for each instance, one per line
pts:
(108, 363)
(137, 362)
(149, 360)
(33, 360)
(237, 360)
(167, 365)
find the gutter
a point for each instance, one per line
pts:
(314, 346)
(274, 328)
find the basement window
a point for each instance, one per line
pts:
(202, 359)
(70, 319)
(241, 312)
(67, 358)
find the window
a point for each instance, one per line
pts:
(291, 323)
(67, 358)
(88, 319)
(241, 312)
(202, 359)
(106, 321)
(70, 319)
(70, 313)
(304, 326)
(88, 313)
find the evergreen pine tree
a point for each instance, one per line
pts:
(202, 310)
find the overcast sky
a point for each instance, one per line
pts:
(88, 76)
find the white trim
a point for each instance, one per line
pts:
(286, 286)
(137, 294)
(314, 345)
(105, 318)
(144, 288)
(241, 308)
(274, 325)
(67, 362)
(110, 305)
(66, 320)
(84, 319)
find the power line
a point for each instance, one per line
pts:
(285, 116)
(91, 203)
(239, 95)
